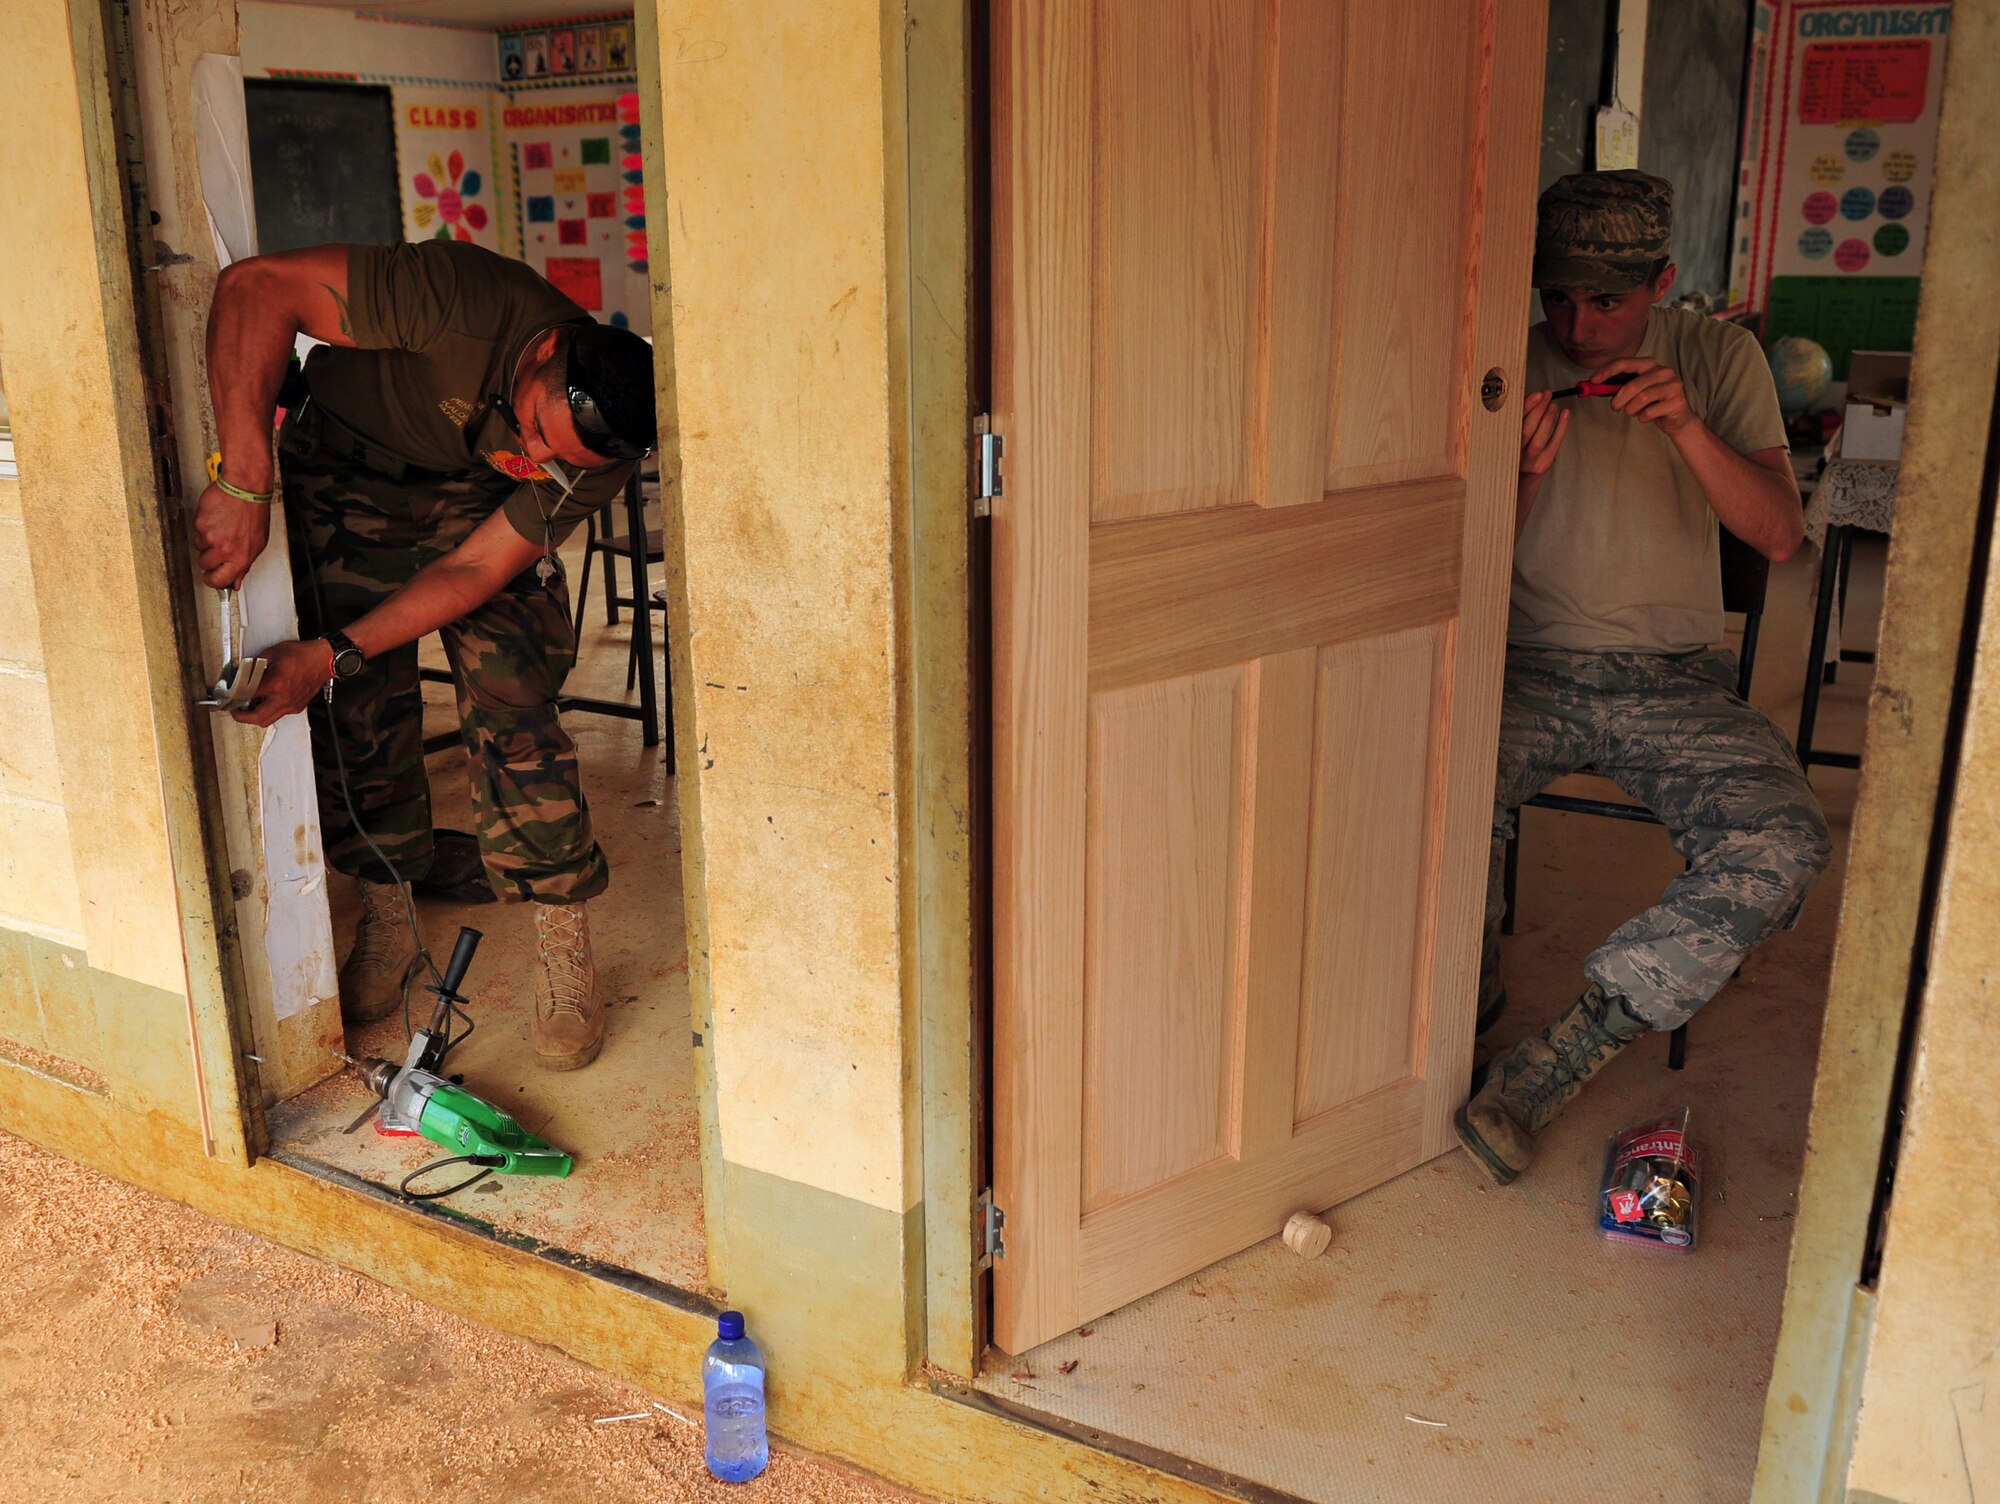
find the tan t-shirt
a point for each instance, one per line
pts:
(1620, 551)
(439, 327)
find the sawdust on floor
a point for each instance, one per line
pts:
(150, 1352)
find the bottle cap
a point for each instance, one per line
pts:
(730, 1327)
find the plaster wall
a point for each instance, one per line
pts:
(107, 992)
(38, 892)
(336, 39)
(774, 150)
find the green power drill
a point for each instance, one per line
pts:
(415, 1098)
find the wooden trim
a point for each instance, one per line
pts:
(941, 835)
(1472, 663)
(1042, 271)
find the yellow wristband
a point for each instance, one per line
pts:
(262, 498)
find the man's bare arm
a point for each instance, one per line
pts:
(1754, 495)
(261, 307)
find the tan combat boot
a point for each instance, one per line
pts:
(569, 1015)
(371, 978)
(1529, 1084)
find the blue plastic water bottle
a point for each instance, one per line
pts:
(732, 1381)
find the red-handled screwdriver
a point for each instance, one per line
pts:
(1602, 388)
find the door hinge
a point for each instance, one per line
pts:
(988, 446)
(993, 1227)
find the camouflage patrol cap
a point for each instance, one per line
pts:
(1599, 232)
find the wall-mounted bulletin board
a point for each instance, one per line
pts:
(1839, 191)
(580, 186)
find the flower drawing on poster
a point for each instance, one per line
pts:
(445, 195)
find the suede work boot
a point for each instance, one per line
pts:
(1529, 1084)
(372, 976)
(568, 1030)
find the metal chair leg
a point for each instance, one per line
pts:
(608, 555)
(583, 575)
(1677, 1048)
(641, 656)
(1829, 568)
(1510, 872)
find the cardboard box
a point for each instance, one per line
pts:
(1878, 397)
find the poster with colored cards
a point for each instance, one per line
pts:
(1857, 138)
(535, 52)
(562, 52)
(513, 65)
(590, 49)
(572, 153)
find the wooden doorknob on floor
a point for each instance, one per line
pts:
(1307, 1236)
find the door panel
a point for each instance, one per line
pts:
(1368, 889)
(1249, 590)
(1175, 284)
(1161, 1000)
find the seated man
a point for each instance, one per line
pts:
(1610, 660)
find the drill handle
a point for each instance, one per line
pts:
(461, 961)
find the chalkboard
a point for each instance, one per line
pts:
(322, 163)
(1574, 84)
(1691, 118)
(1691, 128)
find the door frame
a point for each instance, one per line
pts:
(152, 332)
(1923, 664)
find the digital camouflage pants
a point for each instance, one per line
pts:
(1670, 730)
(355, 538)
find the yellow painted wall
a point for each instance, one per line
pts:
(38, 892)
(774, 149)
(85, 517)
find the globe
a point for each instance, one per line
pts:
(1802, 369)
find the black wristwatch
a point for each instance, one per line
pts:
(347, 659)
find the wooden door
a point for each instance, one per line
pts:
(1252, 260)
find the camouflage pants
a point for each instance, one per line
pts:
(1671, 732)
(355, 538)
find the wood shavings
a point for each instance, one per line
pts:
(133, 1399)
(42, 1063)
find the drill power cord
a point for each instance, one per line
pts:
(492, 1162)
(424, 956)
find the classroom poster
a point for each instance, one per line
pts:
(1838, 157)
(1858, 138)
(570, 149)
(444, 145)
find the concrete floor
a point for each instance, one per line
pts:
(149, 1353)
(1462, 1341)
(631, 1117)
